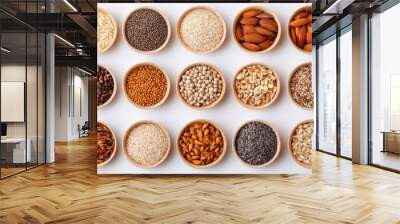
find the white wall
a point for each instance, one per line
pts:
(70, 83)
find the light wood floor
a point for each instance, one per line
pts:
(69, 191)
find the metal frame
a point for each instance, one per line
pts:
(338, 152)
(380, 9)
(44, 74)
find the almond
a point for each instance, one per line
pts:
(263, 31)
(293, 35)
(197, 162)
(247, 29)
(254, 38)
(265, 44)
(269, 24)
(302, 36)
(302, 14)
(251, 13)
(250, 46)
(308, 47)
(299, 22)
(309, 36)
(264, 16)
(238, 34)
(249, 21)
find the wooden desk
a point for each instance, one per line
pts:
(391, 141)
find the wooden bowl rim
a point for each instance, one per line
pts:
(178, 29)
(165, 75)
(135, 125)
(220, 158)
(266, 10)
(290, 80)
(114, 90)
(168, 28)
(210, 105)
(278, 147)
(263, 105)
(115, 144)
(290, 149)
(115, 33)
(288, 27)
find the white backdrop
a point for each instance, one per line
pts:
(228, 114)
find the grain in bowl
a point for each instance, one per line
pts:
(300, 143)
(146, 144)
(201, 30)
(256, 86)
(201, 85)
(106, 30)
(146, 85)
(300, 86)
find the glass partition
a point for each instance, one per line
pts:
(346, 93)
(327, 96)
(385, 90)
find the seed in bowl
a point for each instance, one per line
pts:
(105, 143)
(146, 85)
(300, 86)
(256, 30)
(107, 30)
(146, 144)
(105, 85)
(256, 143)
(200, 85)
(256, 85)
(146, 29)
(201, 143)
(301, 142)
(201, 30)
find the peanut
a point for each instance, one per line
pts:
(204, 147)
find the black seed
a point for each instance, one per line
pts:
(256, 143)
(146, 30)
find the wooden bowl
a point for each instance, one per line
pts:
(114, 38)
(274, 16)
(290, 80)
(178, 29)
(289, 32)
(115, 145)
(308, 166)
(166, 40)
(202, 107)
(278, 149)
(114, 91)
(202, 166)
(135, 125)
(152, 106)
(263, 105)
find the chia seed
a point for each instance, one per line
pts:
(146, 30)
(256, 143)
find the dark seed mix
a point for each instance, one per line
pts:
(105, 85)
(146, 30)
(256, 143)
